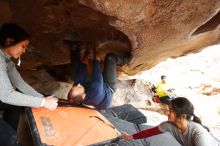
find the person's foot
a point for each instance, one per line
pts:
(123, 60)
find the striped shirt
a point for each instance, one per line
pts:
(10, 78)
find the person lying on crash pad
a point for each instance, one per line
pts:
(98, 91)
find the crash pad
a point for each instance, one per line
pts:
(69, 126)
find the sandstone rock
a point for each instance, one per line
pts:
(161, 29)
(132, 92)
(151, 30)
(5, 12)
(49, 22)
(44, 83)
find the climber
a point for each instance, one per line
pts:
(164, 91)
(98, 91)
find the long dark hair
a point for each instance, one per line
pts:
(182, 105)
(14, 32)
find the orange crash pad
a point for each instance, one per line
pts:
(70, 126)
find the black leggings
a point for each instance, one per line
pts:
(109, 71)
(11, 114)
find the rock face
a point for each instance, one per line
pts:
(161, 29)
(132, 92)
(49, 22)
(152, 30)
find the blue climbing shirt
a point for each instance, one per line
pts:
(97, 93)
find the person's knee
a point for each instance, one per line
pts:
(110, 56)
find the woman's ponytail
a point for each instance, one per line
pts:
(197, 120)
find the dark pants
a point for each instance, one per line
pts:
(109, 72)
(8, 134)
(11, 114)
(75, 61)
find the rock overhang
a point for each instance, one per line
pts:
(151, 30)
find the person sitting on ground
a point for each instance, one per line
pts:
(164, 91)
(14, 42)
(99, 90)
(183, 125)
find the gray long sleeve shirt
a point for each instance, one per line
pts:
(195, 134)
(9, 77)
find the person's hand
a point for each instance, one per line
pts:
(127, 136)
(50, 103)
(85, 59)
(96, 54)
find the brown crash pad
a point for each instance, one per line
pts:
(70, 126)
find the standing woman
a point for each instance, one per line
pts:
(13, 43)
(183, 125)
